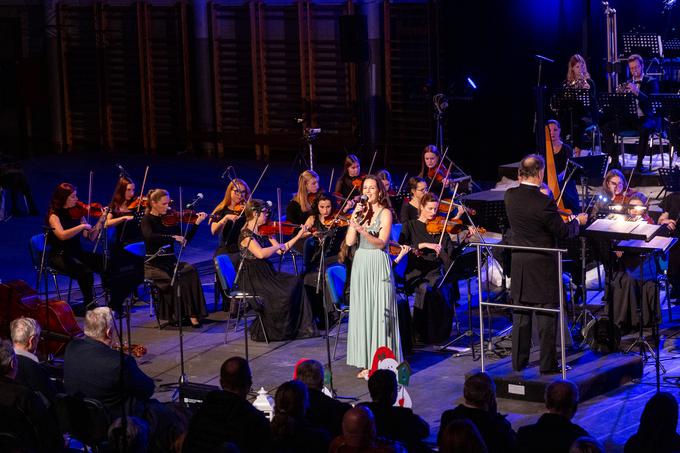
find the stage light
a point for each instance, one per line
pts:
(472, 83)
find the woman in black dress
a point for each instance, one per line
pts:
(411, 210)
(66, 254)
(159, 239)
(286, 310)
(300, 207)
(350, 181)
(433, 307)
(230, 211)
(431, 171)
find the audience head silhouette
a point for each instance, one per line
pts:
(8, 360)
(461, 435)
(561, 397)
(358, 427)
(310, 373)
(479, 391)
(586, 444)
(136, 438)
(382, 385)
(235, 376)
(658, 423)
(99, 324)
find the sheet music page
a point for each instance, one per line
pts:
(648, 230)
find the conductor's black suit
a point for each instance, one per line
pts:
(534, 222)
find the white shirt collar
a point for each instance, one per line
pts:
(529, 184)
(28, 354)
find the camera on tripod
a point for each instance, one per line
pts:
(311, 134)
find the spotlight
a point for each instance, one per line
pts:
(471, 83)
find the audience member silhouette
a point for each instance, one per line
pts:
(323, 411)
(479, 406)
(586, 445)
(226, 415)
(554, 428)
(658, 427)
(461, 435)
(359, 435)
(393, 422)
(292, 431)
(25, 333)
(135, 439)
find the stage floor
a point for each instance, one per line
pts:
(437, 380)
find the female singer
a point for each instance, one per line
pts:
(229, 211)
(373, 320)
(350, 177)
(431, 171)
(418, 188)
(67, 255)
(286, 310)
(120, 215)
(627, 292)
(161, 260)
(433, 308)
(300, 206)
(579, 78)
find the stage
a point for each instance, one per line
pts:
(437, 380)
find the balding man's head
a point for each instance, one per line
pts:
(531, 169)
(358, 427)
(235, 376)
(561, 397)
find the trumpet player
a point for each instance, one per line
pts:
(579, 78)
(641, 86)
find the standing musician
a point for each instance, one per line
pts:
(373, 319)
(161, 229)
(579, 78)
(124, 268)
(411, 210)
(627, 293)
(433, 307)
(300, 207)
(562, 153)
(66, 218)
(535, 222)
(286, 311)
(640, 86)
(351, 178)
(229, 211)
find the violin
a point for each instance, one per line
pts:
(453, 226)
(444, 207)
(358, 181)
(339, 221)
(81, 210)
(172, 217)
(272, 229)
(137, 350)
(139, 202)
(394, 249)
(436, 174)
(623, 197)
(239, 208)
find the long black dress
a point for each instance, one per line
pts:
(160, 270)
(228, 239)
(286, 311)
(433, 307)
(124, 270)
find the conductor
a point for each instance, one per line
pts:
(535, 222)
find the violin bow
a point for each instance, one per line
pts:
(441, 191)
(403, 181)
(89, 195)
(448, 214)
(370, 168)
(250, 196)
(330, 183)
(439, 166)
(141, 192)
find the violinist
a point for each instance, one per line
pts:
(160, 231)
(351, 178)
(626, 291)
(66, 218)
(640, 86)
(562, 153)
(612, 192)
(287, 313)
(230, 211)
(300, 207)
(120, 214)
(433, 306)
(396, 199)
(430, 170)
(411, 210)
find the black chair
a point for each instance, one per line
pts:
(36, 248)
(85, 419)
(16, 427)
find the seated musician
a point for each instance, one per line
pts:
(229, 212)
(396, 199)
(350, 181)
(286, 311)
(67, 256)
(433, 307)
(300, 207)
(161, 230)
(629, 295)
(579, 78)
(411, 210)
(434, 174)
(670, 216)
(563, 152)
(640, 86)
(125, 268)
(331, 229)
(612, 192)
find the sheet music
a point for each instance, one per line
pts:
(659, 243)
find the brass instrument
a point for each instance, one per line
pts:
(625, 86)
(579, 84)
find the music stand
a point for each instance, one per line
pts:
(570, 99)
(667, 105)
(647, 45)
(657, 246)
(490, 207)
(670, 180)
(671, 47)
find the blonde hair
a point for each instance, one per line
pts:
(301, 196)
(154, 196)
(226, 201)
(22, 329)
(573, 61)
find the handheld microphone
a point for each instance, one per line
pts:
(199, 197)
(363, 198)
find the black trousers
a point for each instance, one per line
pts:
(521, 337)
(82, 267)
(644, 125)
